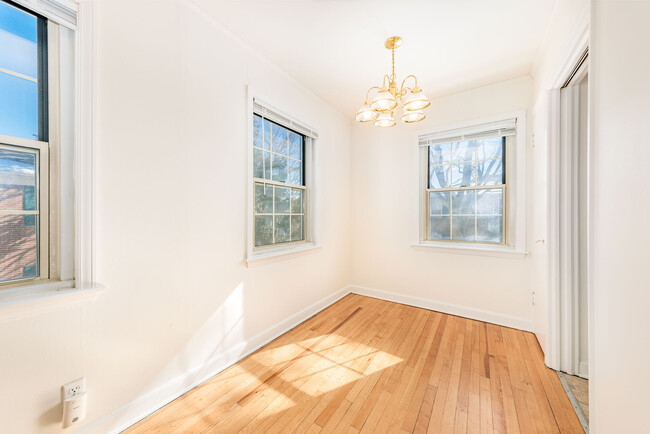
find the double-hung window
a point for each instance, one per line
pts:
(467, 184)
(31, 149)
(282, 157)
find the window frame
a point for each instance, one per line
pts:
(44, 147)
(507, 145)
(514, 211)
(256, 255)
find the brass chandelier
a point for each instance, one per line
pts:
(381, 109)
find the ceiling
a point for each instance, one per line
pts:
(336, 47)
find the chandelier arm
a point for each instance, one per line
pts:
(368, 93)
(406, 78)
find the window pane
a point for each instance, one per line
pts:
(281, 200)
(279, 168)
(463, 151)
(279, 139)
(463, 228)
(489, 229)
(266, 127)
(258, 138)
(263, 199)
(295, 172)
(463, 174)
(490, 201)
(297, 233)
(490, 172)
(439, 202)
(261, 164)
(17, 180)
(296, 201)
(18, 37)
(18, 247)
(439, 154)
(18, 107)
(282, 229)
(263, 230)
(439, 176)
(463, 202)
(489, 148)
(439, 228)
(295, 145)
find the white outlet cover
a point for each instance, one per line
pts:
(74, 388)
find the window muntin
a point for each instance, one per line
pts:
(466, 194)
(24, 150)
(280, 192)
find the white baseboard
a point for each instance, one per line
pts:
(452, 309)
(129, 414)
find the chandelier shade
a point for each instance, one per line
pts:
(385, 120)
(388, 97)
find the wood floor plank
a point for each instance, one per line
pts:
(365, 365)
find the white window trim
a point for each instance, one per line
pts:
(254, 256)
(30, 300)
(516, 247)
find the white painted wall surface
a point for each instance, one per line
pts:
(385, 187)
(620, 91)
(172, 186)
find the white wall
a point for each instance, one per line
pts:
(620, 91)
(172, 153)
(385, 186)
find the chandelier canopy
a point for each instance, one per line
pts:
(381, 108)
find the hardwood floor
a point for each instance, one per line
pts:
(370, 366)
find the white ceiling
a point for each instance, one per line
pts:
(336, 47)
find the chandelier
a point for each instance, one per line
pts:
(381, 109)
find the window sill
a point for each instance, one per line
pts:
(471, 249)
(31, 300)
(281, 254)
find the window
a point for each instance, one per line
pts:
(467, 188)
(279, 180)
(36, 110)
(24, 147)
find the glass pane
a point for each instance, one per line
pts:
(489, 148)
(439, 176)
(295, 172)
(489, 229)
(439, 154)
(18, 247)
(258, 138)
(263, 199)
(266, 126)
(279, 139)
(263, 230)
(463, 202)
(490, 172)
(297, 233)
(463, 151)
(18, 41)
(296, 201)
(463, 174)
(261, 164)
(279, 168)
(439, 228)
(282, 229)
(281, 200)
(17, 180)
(439, 202)
(295, 145)
(489, 201)
(463, 228)
(18, 107)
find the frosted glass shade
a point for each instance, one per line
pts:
(385, 120)
(416, 100)
(411, 116)
(366, 114)
(383, 101)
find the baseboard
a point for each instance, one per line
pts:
(452, 309)
(136, 410)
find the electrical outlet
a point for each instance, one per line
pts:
(74, 388)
